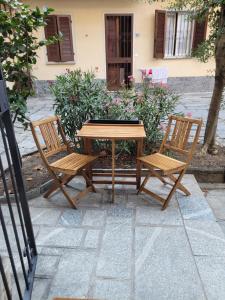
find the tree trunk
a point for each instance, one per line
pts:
(213, 114)
(214, 109)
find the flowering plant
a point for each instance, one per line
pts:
(78, 97)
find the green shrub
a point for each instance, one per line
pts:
(153, 105)
(79, 97)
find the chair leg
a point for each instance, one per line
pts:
(143, 183)
(180, 186)
(54, 186)
(88, 181)
(176, 184)
(157, 175)
(58, 184)
(152, 172)
(70, 200)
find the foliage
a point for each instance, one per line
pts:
(153, 106)
(79, 96)
(18, 48)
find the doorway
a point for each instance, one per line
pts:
(119, 50)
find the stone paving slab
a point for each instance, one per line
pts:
(115, 254)
(60, 237)
(47, 264)
(154, 216)
(212, 272)
(129, 249)
(195, 206)
(164, 265)
(222, 225)
(206, 238)
(112, 289)
(216, 199)
(73, 274)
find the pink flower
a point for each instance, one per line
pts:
(150, 72)
(189, 114)
(116, 101)
(130, 78)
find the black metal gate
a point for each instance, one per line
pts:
(17, 241)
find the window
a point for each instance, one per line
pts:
(61, 51)
(176, 34)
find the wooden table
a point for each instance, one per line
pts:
(114, 132)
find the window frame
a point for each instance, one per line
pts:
(199, 34)
(175, 56)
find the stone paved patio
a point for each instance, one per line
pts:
(130, 249)
(196, 103)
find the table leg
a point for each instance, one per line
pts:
(113, 169)
(139, 153)
(88, 151)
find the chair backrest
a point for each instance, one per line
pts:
(53, 137)
(181, 136)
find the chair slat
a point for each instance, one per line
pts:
(187, 134)
(174, 134)
(182, 135)
(176, 149)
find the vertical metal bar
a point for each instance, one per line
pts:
(14, 163)
(16, 195)
(13, 221)
(4, 279)
(28, 292)
(5, 233)
(6, 118)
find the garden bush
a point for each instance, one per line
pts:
(79, 97)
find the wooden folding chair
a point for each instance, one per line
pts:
(66, 168)
(177, 138)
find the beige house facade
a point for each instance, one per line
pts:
(119, 38)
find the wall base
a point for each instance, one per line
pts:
(179, 84)
(191, 84)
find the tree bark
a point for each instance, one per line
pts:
(214, 109)
(213, 115)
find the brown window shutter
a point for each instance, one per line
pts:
(66, 44)
(112, 36)
(159, 39)
(199, 33)
(51, 30)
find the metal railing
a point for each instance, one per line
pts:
(16, 229)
